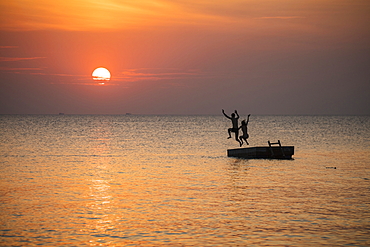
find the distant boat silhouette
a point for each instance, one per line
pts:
(61, 113)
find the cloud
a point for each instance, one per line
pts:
(155, 74)
(170, 75)
(281, 17)
(19, 69)
(24, 15)
(14, 59)
(111, 15)
(81, 14)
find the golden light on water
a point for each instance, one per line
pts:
(103, 182)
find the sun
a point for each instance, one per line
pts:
(101, 75)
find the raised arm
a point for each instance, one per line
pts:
(248, 118)
(225, 114)
(237, 115)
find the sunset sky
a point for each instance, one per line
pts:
(185, 56)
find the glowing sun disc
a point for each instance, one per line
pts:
(101, 74)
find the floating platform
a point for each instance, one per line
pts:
(268, 152)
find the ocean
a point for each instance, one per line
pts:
(135, 180)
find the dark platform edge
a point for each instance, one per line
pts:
(285, 152)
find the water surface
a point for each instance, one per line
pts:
(165, 180)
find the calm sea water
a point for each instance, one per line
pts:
(166, 181)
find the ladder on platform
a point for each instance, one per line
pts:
(276, 143)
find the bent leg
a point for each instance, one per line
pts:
(229, 131)
(245, 139)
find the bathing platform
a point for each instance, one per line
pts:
(272, 151)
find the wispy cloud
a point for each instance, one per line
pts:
(110, 14)
(19, 69)
(155, 74)
(14, 59)
(87, 15)
(281, 17)
(130, 75)
(80, 14)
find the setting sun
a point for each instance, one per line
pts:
(101, 74)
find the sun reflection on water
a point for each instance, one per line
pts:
(121, 180)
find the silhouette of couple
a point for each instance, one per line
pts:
(234, 119)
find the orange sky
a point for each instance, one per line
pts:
(185, 56)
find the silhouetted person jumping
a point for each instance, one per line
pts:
(235, 127)
(244, 130)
